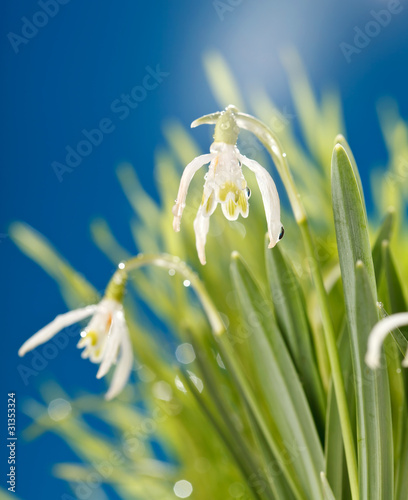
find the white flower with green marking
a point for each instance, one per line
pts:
(104, 341)
(225, 184)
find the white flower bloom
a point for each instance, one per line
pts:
(225, 184)
(104, 340)
(378, 335)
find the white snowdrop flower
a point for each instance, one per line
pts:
(225, 184)
(378, 335)
(104, 341)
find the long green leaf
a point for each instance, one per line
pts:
(282, 390)
(374, 432)
(327, 491)
(336, 470)
(292, 318)
(395, 302)
(384, 233)
(372, 390)
(75, 289)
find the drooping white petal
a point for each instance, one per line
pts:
(186, 178)
(270, 198)
(60, 322)
(124, 364)
(378, 334)
(201, 227)
(110, 354)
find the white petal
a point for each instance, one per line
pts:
(378, 334)
(117, 330)
(270, 198)
(201, 227)
(60, 322)
(186, 178)
(124, 366)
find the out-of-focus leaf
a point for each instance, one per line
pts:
(181, 143)
(221, 81)
(74, 287)
(143, 205)
(104, 239)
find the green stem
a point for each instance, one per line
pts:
(267, 138)
(170, 262)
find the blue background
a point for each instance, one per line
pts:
(65, 79)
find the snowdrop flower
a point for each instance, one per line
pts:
(225, 184)
(377, 337)
(104, 341)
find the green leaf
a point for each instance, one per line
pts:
(75, 289)
(336, 467)
(221, 81)
(340, 139)
(401, 477)
(374, 432)
(292, 318)
(384, 233)
(280, 384)
(372, 391)
(395, 290)
(394, 299)
(351, 225)
(327, 492)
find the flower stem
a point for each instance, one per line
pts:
(268, 139)
(170, 262)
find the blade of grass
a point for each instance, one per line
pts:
(374, 432)
(271, 143)
(327, 492)
(353, 246)
(334, 450)
(384, 233)
(237, 448)
(292, 317)
(285, 397)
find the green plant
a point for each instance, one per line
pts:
(271, 398)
